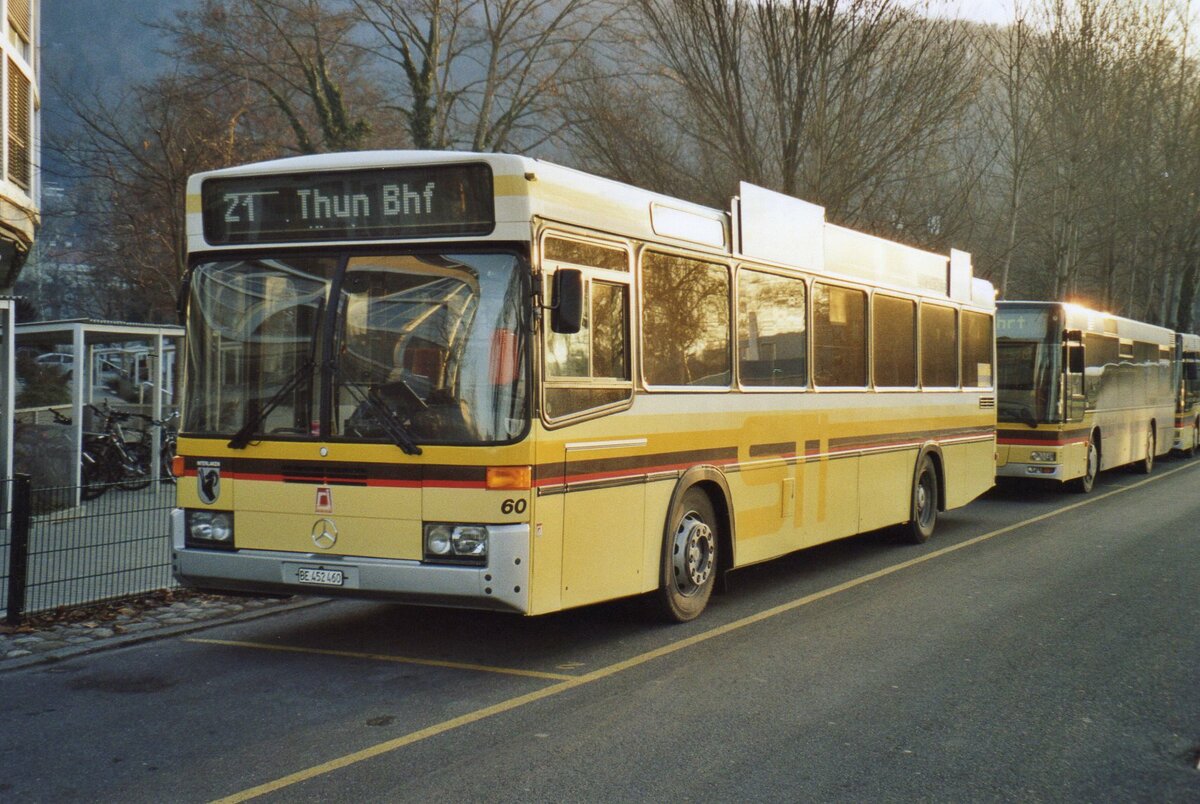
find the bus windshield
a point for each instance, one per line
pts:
(423, 349)
(1028, 380)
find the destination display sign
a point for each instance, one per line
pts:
(1026, 324)
(373, 204)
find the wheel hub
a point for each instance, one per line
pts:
(692, 554)
(924, 503)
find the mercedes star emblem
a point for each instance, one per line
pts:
(324, 533)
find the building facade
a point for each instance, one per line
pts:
(20, 155)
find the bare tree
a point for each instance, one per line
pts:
(484, 74)
(133, 157)
(834, 101)
(1015, 125)
(294, 57)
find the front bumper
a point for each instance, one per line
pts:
(502, 585)
(1036, 471)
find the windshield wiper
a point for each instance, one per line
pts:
(1024, 413)
(386, 417)
(244, 436)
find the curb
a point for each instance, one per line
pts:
(125, 640)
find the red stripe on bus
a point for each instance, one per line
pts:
(1026, 442)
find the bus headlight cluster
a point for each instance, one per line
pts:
(456, 543)
(209, 529)
(1043, 457)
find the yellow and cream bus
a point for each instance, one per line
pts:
(1081, 391)
(489, 381)
(1187, 394)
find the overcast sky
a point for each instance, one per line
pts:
(998, 11)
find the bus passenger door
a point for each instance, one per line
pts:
(1074, 395)
(603, 523)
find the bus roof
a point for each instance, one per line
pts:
(1095, 321)
(776, 228)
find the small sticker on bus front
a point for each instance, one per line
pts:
(324, 500)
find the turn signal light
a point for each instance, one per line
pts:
(509, 477)
(177, 466)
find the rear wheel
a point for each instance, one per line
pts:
(924, 509)
(689, 560)
(1083, 485)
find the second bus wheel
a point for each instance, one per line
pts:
(1083, 485)
(1146, 465)
(924, 512)
(689, 562)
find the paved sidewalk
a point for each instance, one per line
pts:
(82, 631)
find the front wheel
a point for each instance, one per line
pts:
(924, 507)
(1083, 485)
(689, 561)
(1146, 465)
(135, 474)
(93, 480)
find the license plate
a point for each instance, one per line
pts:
(320, 577)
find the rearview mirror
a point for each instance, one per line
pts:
(1075, 362)
(566, 308)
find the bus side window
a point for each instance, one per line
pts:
(839, 337)
(685, 322)
(895, 341)
(772, 337)
(589, 369)
(977, 350)
(939, 347)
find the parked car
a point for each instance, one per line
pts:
(60, 361)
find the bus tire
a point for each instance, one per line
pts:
(923, 512)
(689, 559)
(1146, 465)
(1083, 485)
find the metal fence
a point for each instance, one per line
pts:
(116, 545)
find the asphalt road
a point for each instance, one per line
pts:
(1042, 647)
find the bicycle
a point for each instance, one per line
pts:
(107, 458)
(168, 433)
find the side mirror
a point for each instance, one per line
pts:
(1075, 362)
(566, 307)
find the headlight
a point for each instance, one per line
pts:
(1044, 457)
(470, 541)
(437, 540)
(457, 544)
(209, 529)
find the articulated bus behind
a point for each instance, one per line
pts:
(1081, 391)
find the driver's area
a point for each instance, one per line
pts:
(398, 357)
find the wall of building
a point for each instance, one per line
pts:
(20, 105)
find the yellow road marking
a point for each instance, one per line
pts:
(383, 657)
(578, 681)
